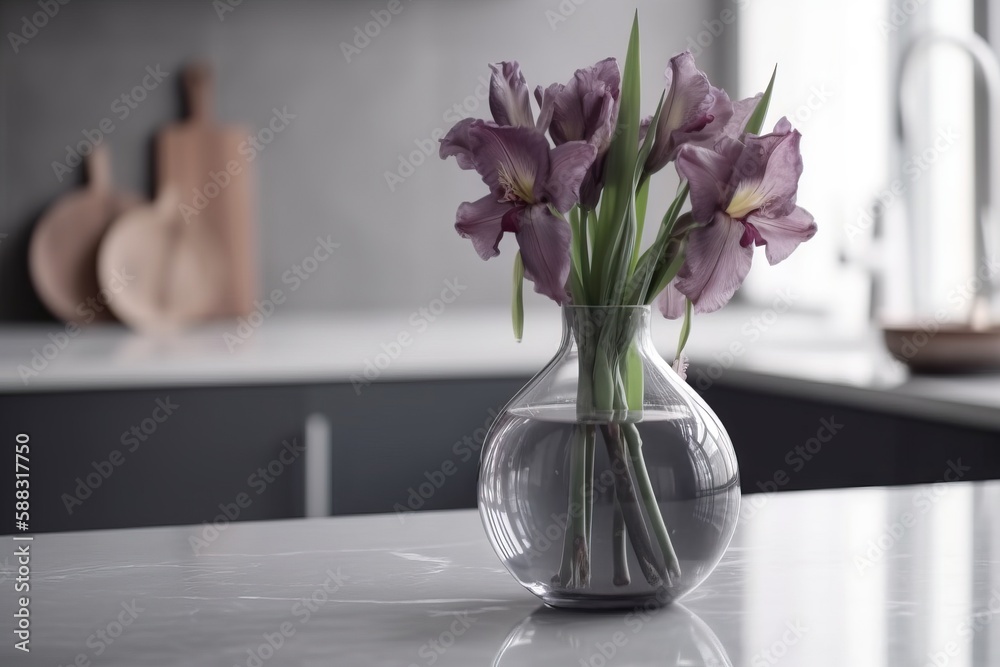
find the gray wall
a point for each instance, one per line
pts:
(324, 174)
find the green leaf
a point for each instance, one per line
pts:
(669, 266)
(756, 120)
(641, 200)
(615, 232)
(517, 303)
(649, 139)
(685, 328)
(574, 248)
(644, 278)
(642, 189)
(633, 379)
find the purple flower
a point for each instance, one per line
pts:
(670, 301)
(694, 111)
(586, 109)
(744, 194)
(510, 102)
(528, 180)
(510, 105)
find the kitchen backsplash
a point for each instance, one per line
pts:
(344, 101)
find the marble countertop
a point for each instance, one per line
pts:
(876, 577)
(794, 354)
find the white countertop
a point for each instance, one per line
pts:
(797, 354)
(877, 577)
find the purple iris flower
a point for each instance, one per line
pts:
(510, 104)
(694, 111)
(743, 193)
(530, 185)
(586, 109)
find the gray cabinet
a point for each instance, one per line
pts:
(191, 455)
(145, 457)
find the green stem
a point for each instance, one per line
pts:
(634, 441)
(654, 572)
(685, 328)
(590, 444)
(619, 544)
(575, 569)
(582, 247)
(578, 512)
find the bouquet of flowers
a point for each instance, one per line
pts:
(572, 184)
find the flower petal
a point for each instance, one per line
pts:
(544, 240)
(708, 173)
(766, 175)
(457, 143)
(693, 111)
(671, 302)
(568, 167)
(481, 221)
(509, 98)
(783, 234)
(586, 109)
(784, 167)
(546, 99)
(513, 161)
(716, 264)
(742, 109)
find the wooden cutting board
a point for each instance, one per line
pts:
(62, 256)
(189, 257)
(164, 275)
(200, 161)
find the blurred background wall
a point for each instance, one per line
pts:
(361, 112)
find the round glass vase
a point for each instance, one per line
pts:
(607, 482)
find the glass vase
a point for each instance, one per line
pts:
(607, 482)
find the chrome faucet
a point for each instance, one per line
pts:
(988, 63)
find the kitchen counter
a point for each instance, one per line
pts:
(791, 354)
(876, 577)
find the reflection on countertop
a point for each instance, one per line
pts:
(875, 577)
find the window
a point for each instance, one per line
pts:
(837, 83)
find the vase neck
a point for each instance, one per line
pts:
(618, 325)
